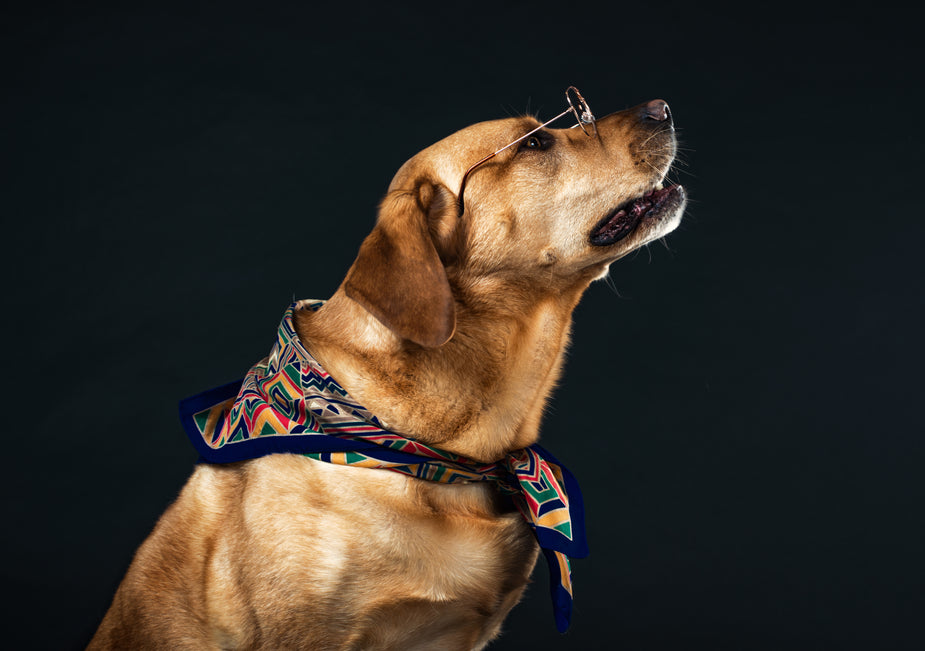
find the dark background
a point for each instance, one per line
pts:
(744, 412)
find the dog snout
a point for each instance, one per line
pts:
(656, 110)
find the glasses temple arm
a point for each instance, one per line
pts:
(507, 146)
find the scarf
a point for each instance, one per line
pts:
(287, 403)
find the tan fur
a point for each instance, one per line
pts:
(452, 329)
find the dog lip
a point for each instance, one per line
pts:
(624, 220)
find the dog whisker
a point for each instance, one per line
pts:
(608, 280)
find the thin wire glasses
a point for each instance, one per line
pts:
(577, 105)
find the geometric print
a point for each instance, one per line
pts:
(288, 403)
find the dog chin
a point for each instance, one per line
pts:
(665, 221)
(659, 207)
(656, 220)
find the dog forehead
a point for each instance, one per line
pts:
(447, 160)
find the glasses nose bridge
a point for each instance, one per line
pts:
(580, 108)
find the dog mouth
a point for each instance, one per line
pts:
(653, 205)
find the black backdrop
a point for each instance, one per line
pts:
(742, 410)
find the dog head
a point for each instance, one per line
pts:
(552, 211)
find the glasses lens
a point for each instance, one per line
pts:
(582, 110)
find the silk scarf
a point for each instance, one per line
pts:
(287, 403)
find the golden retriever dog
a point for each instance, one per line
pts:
(450, 327)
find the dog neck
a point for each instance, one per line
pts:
(480, 395)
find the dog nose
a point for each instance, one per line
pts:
(657, 110)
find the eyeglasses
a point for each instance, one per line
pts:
(576, 106)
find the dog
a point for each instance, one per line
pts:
(450, 327)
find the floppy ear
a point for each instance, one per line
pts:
(398, 275)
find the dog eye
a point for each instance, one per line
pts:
(536, 143)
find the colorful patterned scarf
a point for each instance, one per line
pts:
(288, 403)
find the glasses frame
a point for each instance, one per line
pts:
(582, 113)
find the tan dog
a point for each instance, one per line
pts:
(450, 328)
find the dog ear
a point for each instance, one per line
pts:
(398, 275)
